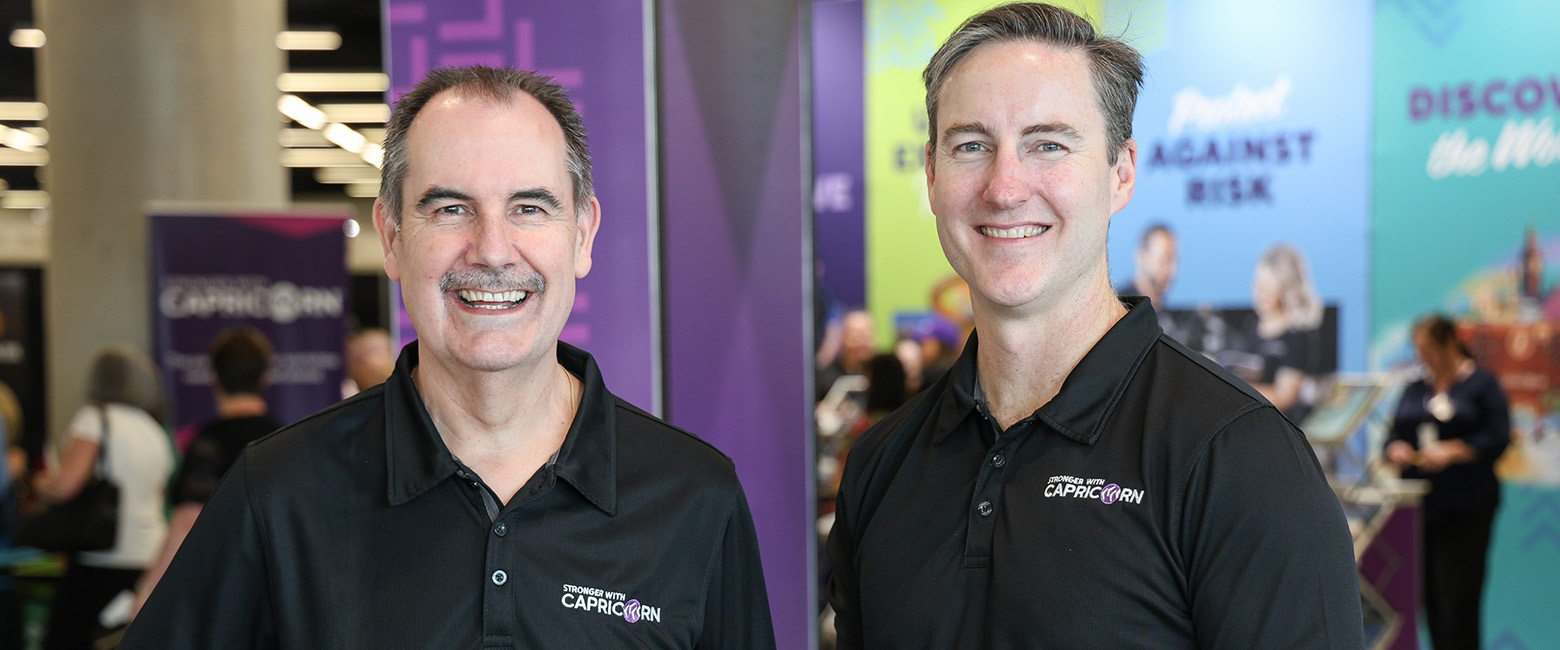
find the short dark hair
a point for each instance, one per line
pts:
(1117, 68)
(494, 84)
(1153, 229)
(240, 357)
(1442, 332)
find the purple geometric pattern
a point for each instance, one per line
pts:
(575, 42)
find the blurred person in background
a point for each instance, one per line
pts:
(241, 360)
(1450, 427)
(1154, 266)
(857, 345)
(1287, 331)
(120, 423)
(370, 358)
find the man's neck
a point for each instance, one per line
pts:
(241, 405)
(1023, 358)
(503, 425)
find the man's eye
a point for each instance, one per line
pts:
(1049, 146)
(451, 210)
(528, 209)
(970, 147)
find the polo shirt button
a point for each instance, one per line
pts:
(984, 508)
(501, 529)
(499, 577)
(998, 460)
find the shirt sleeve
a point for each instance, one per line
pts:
(87, 424)
(1268, 555)
(736, 608)
(844, 586)
(1494, 432)
(215, 593)
(202, 470)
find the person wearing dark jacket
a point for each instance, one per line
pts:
(1450, 428)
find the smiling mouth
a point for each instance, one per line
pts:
(1016, 232)
(491, 299)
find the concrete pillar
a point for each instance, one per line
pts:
(149, 100)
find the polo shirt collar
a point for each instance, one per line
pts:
(1089, 394)
(417, 458)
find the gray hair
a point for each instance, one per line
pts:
(493, 84)
(122, 375)
(1117, 68)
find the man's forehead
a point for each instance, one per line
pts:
(464, 141)
(1019, 64)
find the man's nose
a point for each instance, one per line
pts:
(491, 244)
(1006, 187)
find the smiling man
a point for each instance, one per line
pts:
(491, 493)
(1078, 479)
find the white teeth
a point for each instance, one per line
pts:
(1016, 232)
(472, 296)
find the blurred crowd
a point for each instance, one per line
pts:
(162, 478)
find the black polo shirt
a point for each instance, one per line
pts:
(356, 528)
(1155, 502)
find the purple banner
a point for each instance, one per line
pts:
(284, 275)
(839, 154)
(738, 336)
(595, 49)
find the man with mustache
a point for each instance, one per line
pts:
(491, 493)
(1077, 479)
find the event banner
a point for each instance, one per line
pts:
(282, 274)
(1467, 223)
(906, 270)
(21, 367)
(596, 49)
(1467, 198)
(837, 141)
(1250, 214)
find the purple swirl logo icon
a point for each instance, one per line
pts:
(1110, 494)
(631, 611)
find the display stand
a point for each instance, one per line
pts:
(1346, 428)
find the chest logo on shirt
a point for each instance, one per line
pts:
(1074, 487)
(610, 603)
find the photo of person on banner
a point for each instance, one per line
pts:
(492, 492)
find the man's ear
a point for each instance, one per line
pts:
(588, 223)
(389, 237)
(1125, 175)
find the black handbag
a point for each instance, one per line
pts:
(88, 522)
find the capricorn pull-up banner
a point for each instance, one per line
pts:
(282, 274)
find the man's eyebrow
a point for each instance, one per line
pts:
(966, 127)
(437, 193)
(1056, 128)
(538, 194)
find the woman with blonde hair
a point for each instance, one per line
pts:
(120, 424)
(1289, 318)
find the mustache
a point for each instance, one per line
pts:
(493, 280)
